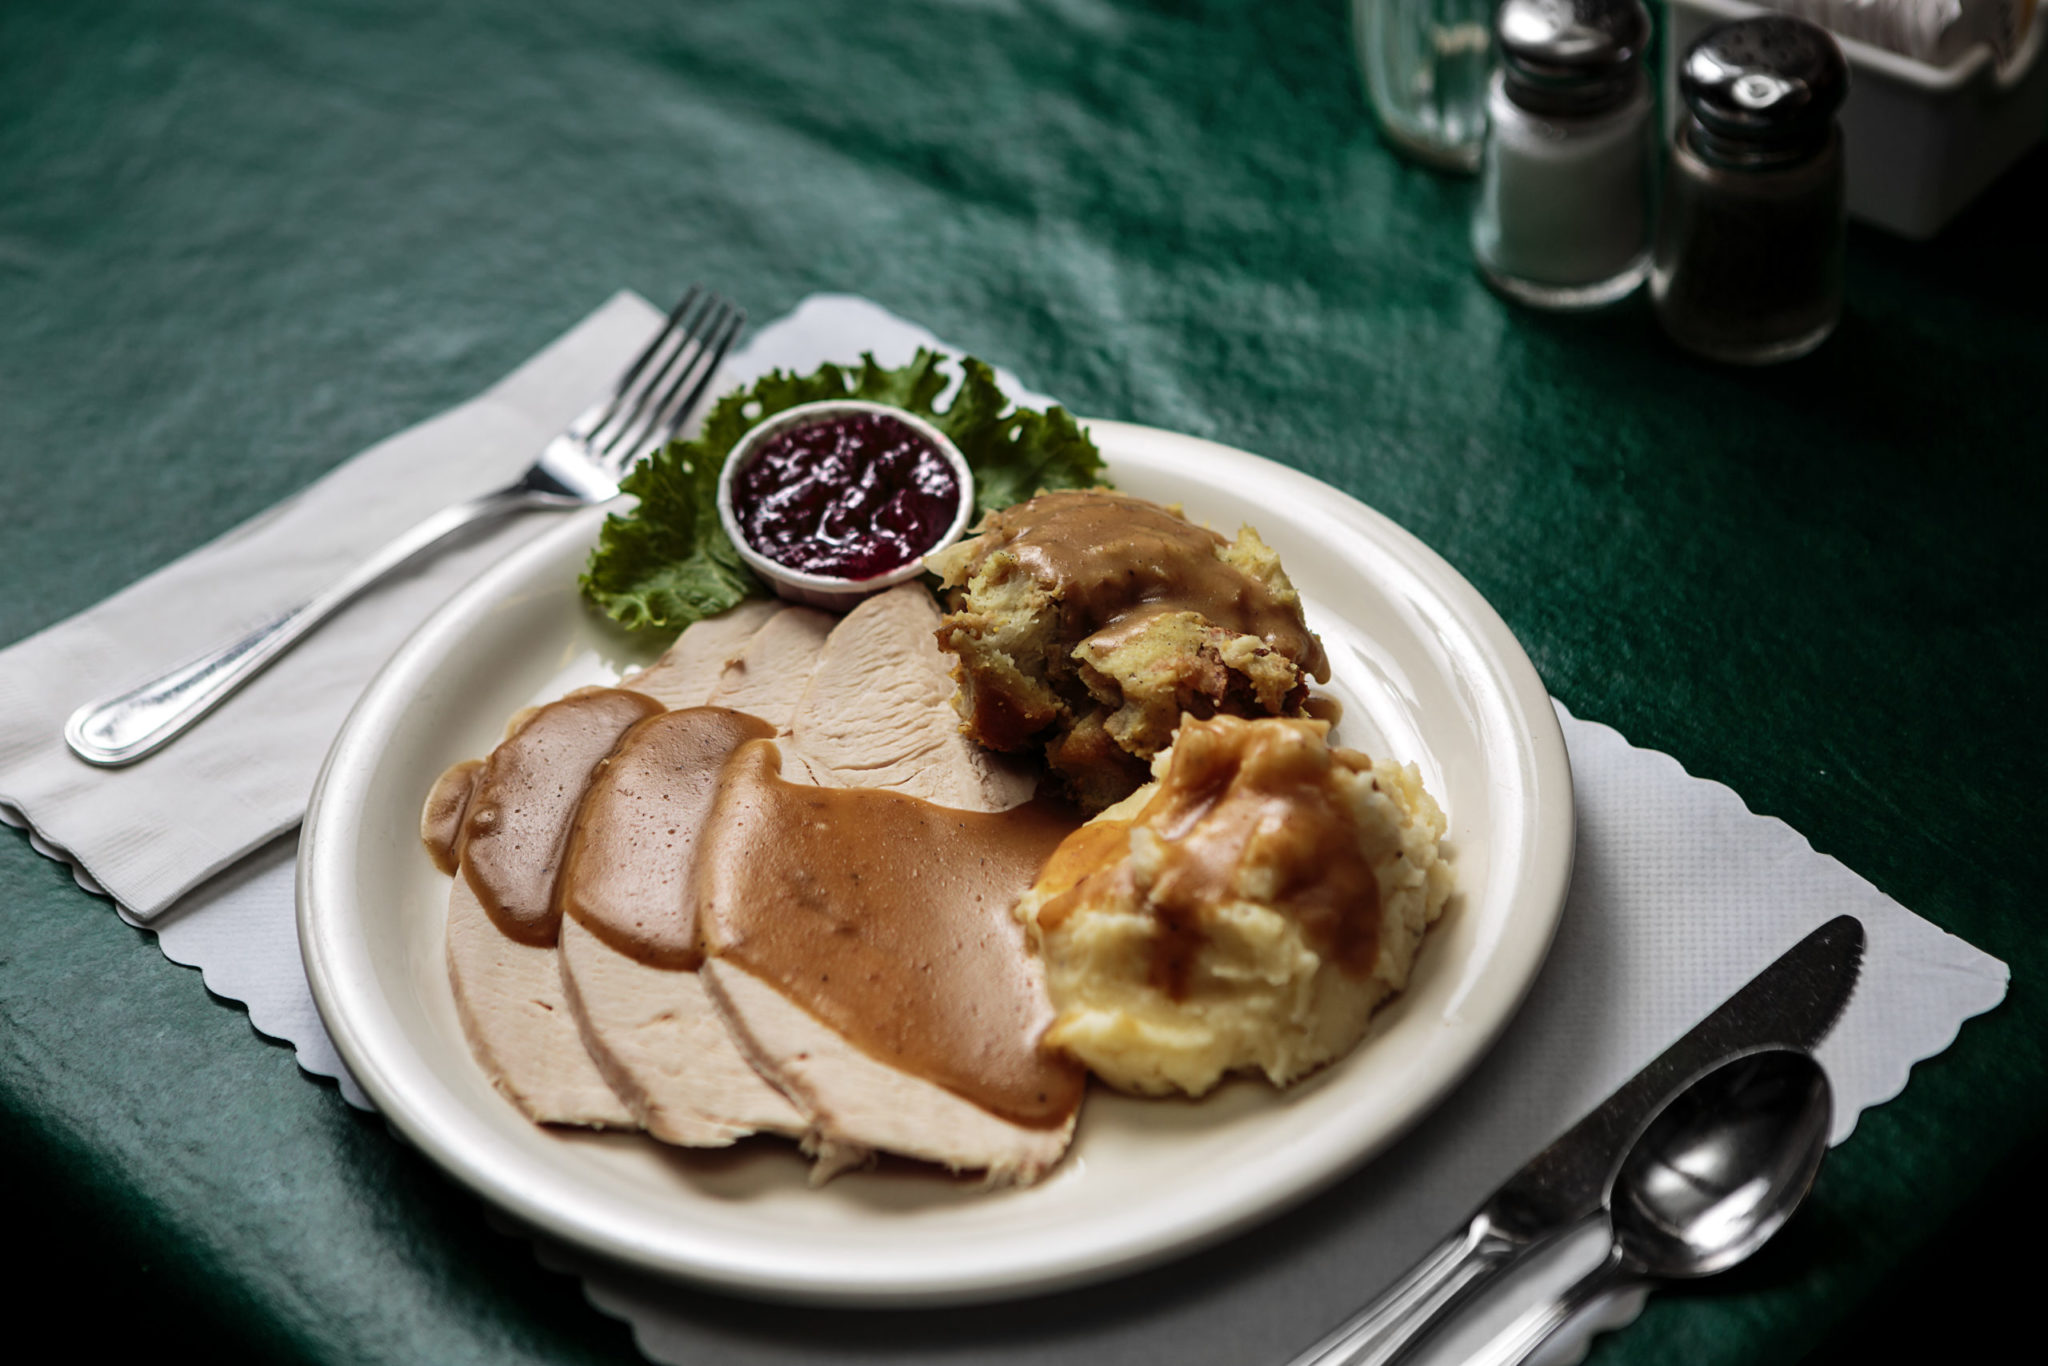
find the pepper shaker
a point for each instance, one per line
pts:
(1748, 261)
(1563, 216)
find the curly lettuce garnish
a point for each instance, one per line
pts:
(668, 562)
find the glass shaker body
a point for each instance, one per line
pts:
(1748, 259)
(1563, 216)
(1425, 65)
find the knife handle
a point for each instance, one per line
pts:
(1383, 1331)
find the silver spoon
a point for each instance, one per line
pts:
(1716, 1173)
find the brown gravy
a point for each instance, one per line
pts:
(626, 875)
(1235, 793)
(516, 827)
(1120, 562)
(888, 919)
(441, 820)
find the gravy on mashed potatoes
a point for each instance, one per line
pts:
(1248, 909)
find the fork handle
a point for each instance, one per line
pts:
(1384, 1331)
(123, 728)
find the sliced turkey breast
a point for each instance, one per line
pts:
(663, 1049)
(860, 947)
(878, 712)
(509, 998)
(857, 1104)
(769, 676)
(647, 1025)
(510, 995)
(689, 669)
(628, 946)
(501, 826)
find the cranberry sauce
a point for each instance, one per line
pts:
(851, 496)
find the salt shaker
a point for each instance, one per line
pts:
(1425, 64)
(1563, 217)
(1748, 262)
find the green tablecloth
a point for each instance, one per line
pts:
(239, 242)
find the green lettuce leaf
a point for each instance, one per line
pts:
(668, 561)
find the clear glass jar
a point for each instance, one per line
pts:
(1426, 64)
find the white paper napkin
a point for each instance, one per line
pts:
(1680, 895)
(152, 832)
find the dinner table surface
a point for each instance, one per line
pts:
(240, 242)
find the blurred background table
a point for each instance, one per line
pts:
(239, 242)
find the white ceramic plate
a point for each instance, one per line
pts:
(1427, 673)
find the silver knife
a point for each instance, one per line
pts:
(1793, 1003)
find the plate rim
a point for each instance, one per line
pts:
(1542, 753)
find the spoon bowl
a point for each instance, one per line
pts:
(1708, 1181)
(1722, 1166)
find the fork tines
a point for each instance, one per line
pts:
(665, 381)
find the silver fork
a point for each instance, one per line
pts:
(582, 466)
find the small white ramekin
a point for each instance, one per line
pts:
(829, 591)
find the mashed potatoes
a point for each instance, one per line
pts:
(1248, 909)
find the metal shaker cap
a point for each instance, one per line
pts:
(1571, 56)
(1772, 82)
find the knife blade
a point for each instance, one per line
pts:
(1793, 1003)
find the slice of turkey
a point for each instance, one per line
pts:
(858, 1105)
(768, 678)
(689, 669)
(651, 1031)
(879, 714)
(664, 1050)
(510, 1000)
(876, 712)
(511, 997)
